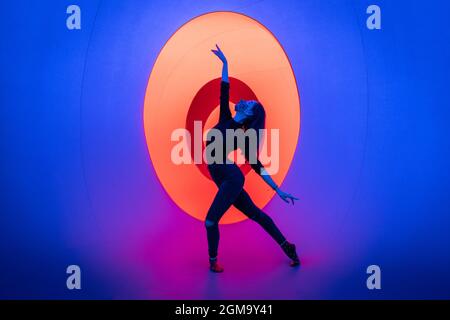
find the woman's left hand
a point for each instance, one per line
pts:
(220, 54)
(286, 196)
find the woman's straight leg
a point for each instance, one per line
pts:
(245, 204)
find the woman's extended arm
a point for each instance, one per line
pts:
(225, 113)
(258, 167)
(222, 58)
(283, 195)
(225, 72)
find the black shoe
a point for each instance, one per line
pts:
(289, 250)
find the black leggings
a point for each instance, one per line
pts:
(230, 181)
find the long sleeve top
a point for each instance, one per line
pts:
(226, 121)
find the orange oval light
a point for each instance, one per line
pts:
(184, 65)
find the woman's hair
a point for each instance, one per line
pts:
(257, 121)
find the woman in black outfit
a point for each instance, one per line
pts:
(229, 178)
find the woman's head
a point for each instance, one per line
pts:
(250, 113)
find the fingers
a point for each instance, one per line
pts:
(292, 198)
(286, 197)
(218, 47)
(289, 200)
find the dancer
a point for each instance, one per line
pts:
(230, 180)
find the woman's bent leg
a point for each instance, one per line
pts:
(230, 187)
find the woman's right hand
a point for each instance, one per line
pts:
(219, 54)
(285, 196)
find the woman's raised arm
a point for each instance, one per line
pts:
(225, 113)
(222, 58)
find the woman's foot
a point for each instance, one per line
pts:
(214, 266)
(294, 263)
(290, 251)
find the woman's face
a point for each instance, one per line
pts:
(244, 108)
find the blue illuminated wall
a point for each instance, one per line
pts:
(371, 168)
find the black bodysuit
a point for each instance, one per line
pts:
(230, 181)
(227, 122)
